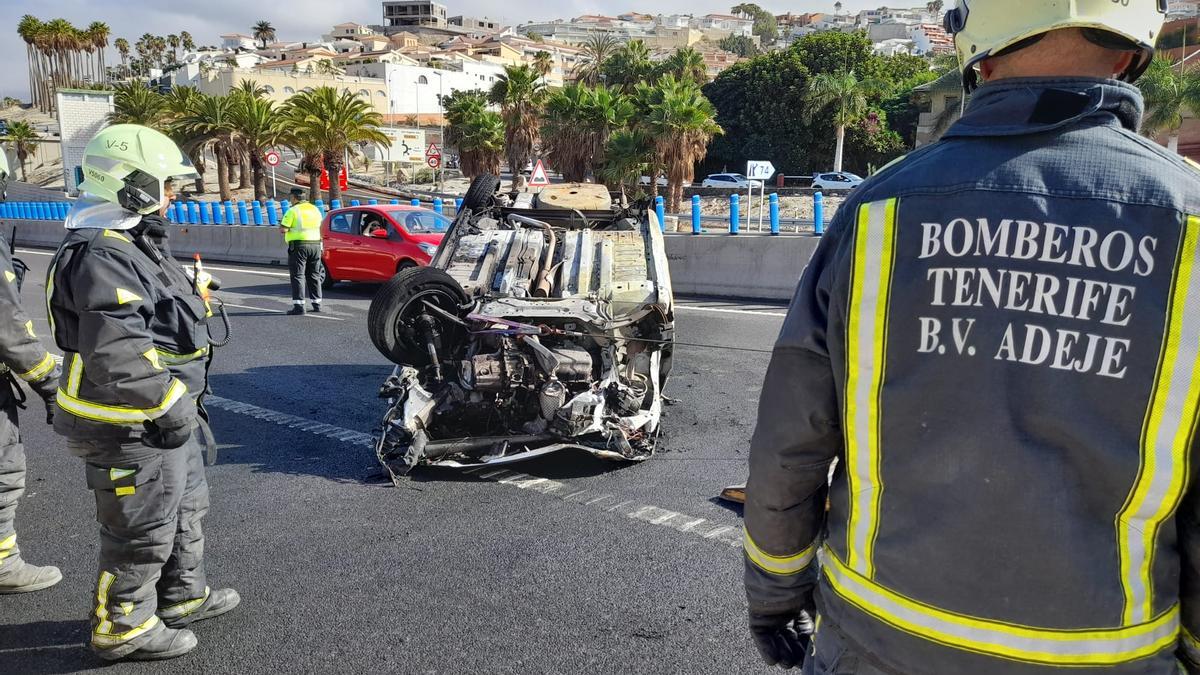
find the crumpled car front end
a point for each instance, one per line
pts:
(544, 322)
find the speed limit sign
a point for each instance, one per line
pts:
(434, 161)
(271, 158)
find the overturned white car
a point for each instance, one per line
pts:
(544, 322)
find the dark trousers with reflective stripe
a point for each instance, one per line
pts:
(149, 504)
(832, 654)
(304, 263)
(12, 477)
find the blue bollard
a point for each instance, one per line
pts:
(355, 202)
(272, 212)
(372, 202)
(660, 212)
(416, 202)
(243, 214)
(173, 212)
(257, 209)
(395, 201)
(4, 209)
(335, 204)
(774, 205)
(206, 217)
(696, 229)
(320, 206)
(283, 207)
(218, 214)
(819, 213)
(229, 213)
(457, 205)
(735, 214)
(41, 212)
(437, 205)
(193, 213)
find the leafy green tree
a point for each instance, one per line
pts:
(210, 126)
(335, 123)
(834, 51)
(476, 132)
(262, 128)
(686, 64)
(136, 103)
(520, 94)
(178, 103)
(1169, 93)
(682, 122)
(740, 45)
(846, 97)
(596, 52)
(628, 155)
(24, 139)
(628, 65)
(576, 126)
(264, 32)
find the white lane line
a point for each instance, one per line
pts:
(281, 311)
(721, 310)
(239, 270)
(631, 509)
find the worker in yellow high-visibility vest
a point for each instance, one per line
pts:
(301, 228)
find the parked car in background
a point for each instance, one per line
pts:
(730, 180)
(840, 180)
(662, 181)
(373, 243)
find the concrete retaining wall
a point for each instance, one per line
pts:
(750, 266)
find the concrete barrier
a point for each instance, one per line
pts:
(746, 266)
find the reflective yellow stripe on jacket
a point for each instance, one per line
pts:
(68, 400)
(1166, 434)
(994, 638)
(777, 564)
(866, 338)
(303, 223)
(42, 369)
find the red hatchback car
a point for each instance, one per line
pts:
(373, 243)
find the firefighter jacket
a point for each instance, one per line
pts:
(132, 327)
(991, 371)
(21, 352)
(303, 223)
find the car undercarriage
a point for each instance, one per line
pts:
(544, 322)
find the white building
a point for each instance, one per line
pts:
(235, 41)
(894, 47)
(348, 30)
(674, 20)
(735, 25)
(414, 90)
(1183, 9)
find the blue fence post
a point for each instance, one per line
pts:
(335, 204)
(735, 213)
(660, 211)
(272, 213)
(257, 209)
(283, 207)
(416, 202)
(193, 213)
(42, 211)
(320, 206)
(4, 209)
(457, 205)
(372, 202)
(437, 204)
(395, 201)
(218, 213)
(243, 214)
(696, 228)
(355, 202)
(819, 213)
(774, 204)
(173, 212)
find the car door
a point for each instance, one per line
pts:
(338, 238)
(377, 256)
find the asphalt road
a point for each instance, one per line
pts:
(561, 564)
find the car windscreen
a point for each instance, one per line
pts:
(425, 222)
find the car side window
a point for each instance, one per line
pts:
(420, 222)
(344, 223)
(372, 222)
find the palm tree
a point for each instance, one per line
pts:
(543, 63)
(576, 126)
(628, 156)
(186, 41)
(846, 97)
(24, 139)
(935, 7)
(682, 122)
(210, 126)
(262, 128)
(122, 46)
(476, 132)
(174, 43)
(250, 88)
(28, 28)
(98, 32)
(687, 64)
(335, 123)
(520, 95)
(136, 103)
(179, 103)
(629, 65)
(264, 32)
(596, 51)
(1169, 93)
(837, 8)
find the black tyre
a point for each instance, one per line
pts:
(405, 265)
(399, 318)
(480, 194)
(327, 280)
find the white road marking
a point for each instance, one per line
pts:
(722, 310)
(281, 311)
(631, 509)
(242, 270)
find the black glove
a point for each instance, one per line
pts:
(782, 639)
(47, 389)
(166, 438)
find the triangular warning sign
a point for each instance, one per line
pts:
(433, 150)
(539, 178)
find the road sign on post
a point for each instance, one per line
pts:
(539, 178)
(271, 158)
(759, 170)
(434, 161)
(433, 150)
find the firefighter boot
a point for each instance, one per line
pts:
(165, 644)
(19, 576)
(217, 603)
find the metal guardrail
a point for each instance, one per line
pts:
(271, 212)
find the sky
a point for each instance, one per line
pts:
(307, 19)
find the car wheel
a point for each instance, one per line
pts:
(405, 265)
(480, 194)
(411, 309)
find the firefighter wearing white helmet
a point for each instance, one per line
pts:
(976, 442)
(133, 330)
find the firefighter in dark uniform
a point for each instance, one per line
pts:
(22, 355)
(990, 372)
(301, 228)
(133, 330)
